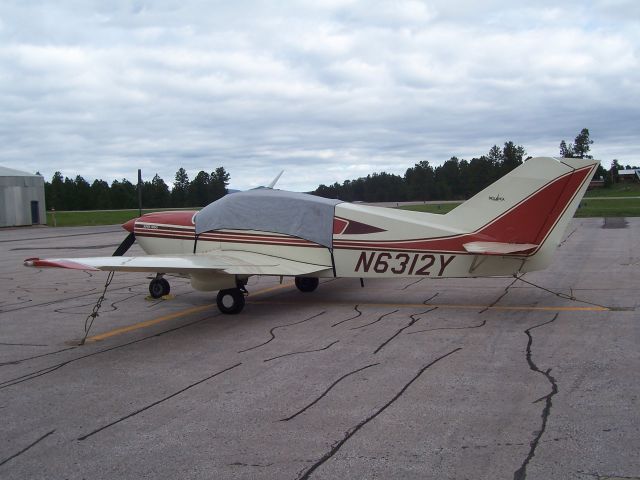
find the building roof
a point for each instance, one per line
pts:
(263, 209)
(10, 172)
(632, 171)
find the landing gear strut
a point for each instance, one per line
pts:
(307, 284)
(159, 287)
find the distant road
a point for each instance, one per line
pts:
(442, 202)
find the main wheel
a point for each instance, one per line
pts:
(159, 287)
(307, 284)
(230, 301)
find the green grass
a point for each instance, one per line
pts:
(431, 208)
(628, 207)
(97, 217)
(617, 190)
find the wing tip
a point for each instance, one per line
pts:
(39, 263)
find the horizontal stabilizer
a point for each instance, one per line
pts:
(498, 248)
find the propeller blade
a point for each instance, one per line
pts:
(125, 245)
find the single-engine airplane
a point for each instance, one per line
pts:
(513, 226)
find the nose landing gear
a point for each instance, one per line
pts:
(159, 287)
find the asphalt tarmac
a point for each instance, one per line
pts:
(411, 379)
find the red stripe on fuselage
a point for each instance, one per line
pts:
(520, 224)
(222, 237)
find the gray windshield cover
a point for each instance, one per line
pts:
(297, 214)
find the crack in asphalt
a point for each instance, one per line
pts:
(240, 464)
(21, 302)
(52, 368)
(511, 444)
(52, 302)
(306, 474)
(607, 477)
(500, 297)
(521, 473)
(481, 324)
(375, 321)
(328, 389)
(281, 326)
(26, 448)
(567, 238)
(412, 283)
(23, 344)
(69, 310)
(304, 351)
(19, 361)
(350, 318)
(147, 407)
(414, 318)
(431, 298)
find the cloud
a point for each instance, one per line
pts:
(327, 91)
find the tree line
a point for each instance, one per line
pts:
(64, 193)
(455, 179)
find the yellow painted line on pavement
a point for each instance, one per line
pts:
(447, 306)
(171, 316)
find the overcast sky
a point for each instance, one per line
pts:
(326, 90)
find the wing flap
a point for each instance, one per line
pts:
(233, 263)
(498, 248)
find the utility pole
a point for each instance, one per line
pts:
(139, 192)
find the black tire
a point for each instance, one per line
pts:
(156, 287)
(166, 288)
(307, 284)
(230, 301)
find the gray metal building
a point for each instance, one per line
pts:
(21, 198)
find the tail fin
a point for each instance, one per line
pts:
(531, 206)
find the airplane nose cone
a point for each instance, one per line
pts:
(128, 226)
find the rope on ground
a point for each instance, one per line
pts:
(559, 294)
(88, 323)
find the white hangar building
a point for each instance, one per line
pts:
(21, 198)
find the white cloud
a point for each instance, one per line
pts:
(327, 91)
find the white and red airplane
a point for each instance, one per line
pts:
(511, 227)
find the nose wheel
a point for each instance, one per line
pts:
(159, 287)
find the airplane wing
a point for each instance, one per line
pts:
(230, 262)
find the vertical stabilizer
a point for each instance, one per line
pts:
(532, 205)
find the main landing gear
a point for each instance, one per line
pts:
(159, 287)
(307, 284)
(231, 300)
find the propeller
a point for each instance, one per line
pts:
(128, 241)
(275, 180)
(125, 245)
